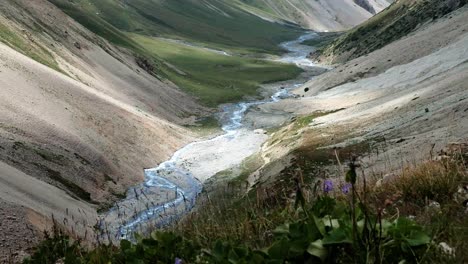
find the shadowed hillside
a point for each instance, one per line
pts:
(397, 21)
(320, 15)
(209, 21)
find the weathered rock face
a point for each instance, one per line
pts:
(145, 64)
(366, 5)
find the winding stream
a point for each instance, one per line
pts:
(170, 189)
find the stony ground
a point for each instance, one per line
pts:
(408, 100)
(18, 235)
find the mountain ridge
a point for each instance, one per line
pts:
(336, 15)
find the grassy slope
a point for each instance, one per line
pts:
(211, 77)
(325, 39)
(261, 8)
(277, 8)
(214, 22)
(398, 20)
(24, 46)
(215, 78)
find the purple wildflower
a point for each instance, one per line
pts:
(328, 186)
(345, 189)
(178, 261)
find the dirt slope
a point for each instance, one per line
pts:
(408, 99)
(322, 15)
(27, 204)
(395, 22)
(89, 126)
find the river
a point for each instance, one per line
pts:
(170, 189)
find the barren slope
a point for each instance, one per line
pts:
(408, 96)
(88, 129)
(321, 15)
(395, 22)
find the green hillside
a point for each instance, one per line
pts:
(212, 77)
(213, 22)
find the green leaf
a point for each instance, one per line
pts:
(262, 253)
(282, 230)
(275, 261)
(320, 225)
(233, 257)
(279, 250)
(219, 251)
(241, 252)
(138, 237)
(340, 235)
(300, 200)
(125, 245)
(298, 247)
(328, 222)
(296, 230)
(323, 206)
(360, 225)
(351, 176)
(418, 238)
(316, 249)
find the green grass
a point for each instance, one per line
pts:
(249, 166)
(86, 16)
(227, 214)
(323, 40)
(214, 78)
(291, 133)
(27, 47)
(217, 23)
(279, 9)
(206, 126)
(280, 220)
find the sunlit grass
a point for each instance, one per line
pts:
(214, 78)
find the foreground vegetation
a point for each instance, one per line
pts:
(416, 217)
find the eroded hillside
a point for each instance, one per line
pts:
(86, 106)
(87, 125)
(400, 19)
(411, 94)
(320, 15)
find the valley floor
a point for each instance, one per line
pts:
(395, 110)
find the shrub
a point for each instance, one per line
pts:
(437, 181)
